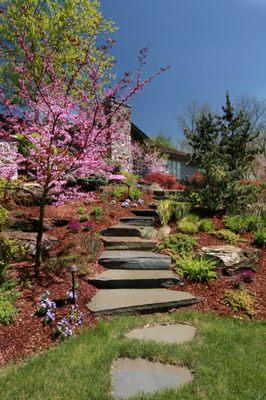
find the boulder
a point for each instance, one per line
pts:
(232, 259)
(28, 240)
(148, 232)
(163, 232)
(29, 224)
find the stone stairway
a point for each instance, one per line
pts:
(136, 279)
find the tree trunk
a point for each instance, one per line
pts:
(38, 257)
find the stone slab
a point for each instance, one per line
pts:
(232, 259)
(134, 260)
(122, 230)
(118, 278)
(28, 240)
(124, 301)
(131, 377)
(145, 213)
(139, 221)
(170, 334)
(128, 243)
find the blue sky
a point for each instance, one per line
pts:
(211, 45)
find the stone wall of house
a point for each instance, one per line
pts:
(121, 153)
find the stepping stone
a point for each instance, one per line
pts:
(134, 260)
(117, 278)
(177, 333)
(139, 221)
(124, 301)
(128, 243)
(122, 230)
(153, 206)
(131, 377)
(145, 213)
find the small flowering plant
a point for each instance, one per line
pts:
(126, 203)
(74, 225)
(46, 308)
(63, 328)
(72, 295)
(247, 276)
(75, 316)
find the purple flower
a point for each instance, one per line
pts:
(247, 275)
(74, 225)
(72, 295)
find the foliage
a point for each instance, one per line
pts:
(243, 223)
(221, 149)
(46, 308)
(247, 276)
(82, 210)
(3, 217)
(97, 211)
(84, 218)
(227, 235)
(64, 327)
(165, 180)
(194, 218)
(206, 225)
(120, 191)
(196, 268)
(8, 310)
(241, 300)
(181, 209)
(66, 30)
(164, 211)
(260, 238)
(134, 193)
(63, 262)
(131, 179)
(178, 243)
(9, 250)
(163, 140)
(187, 227)
(74, 225)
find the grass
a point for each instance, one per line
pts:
(226, 355)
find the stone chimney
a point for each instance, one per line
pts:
(120, 141)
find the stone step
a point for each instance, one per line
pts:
(146, 260)
(122, 230)
(128, 243)
(145, 213)
(153, 206)
(124, 301)
(118, 278)
(139, 221)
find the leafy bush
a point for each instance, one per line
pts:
(228, 236)
(62, 262)
(181, 209)
(82, 210)
(243, 223)
(260, 238)
(194, 218)
(120, 191)
(84, 218)
(3, 217)
(97, 211)
(178, 243)
(131, 179)
(197, 268)
(134, 193)
(206, 225)
(166, 181)
(187, 227)
(164, 211)
(9, 250)
(239, 301)
(8, 308)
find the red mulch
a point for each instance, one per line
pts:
(27, 334)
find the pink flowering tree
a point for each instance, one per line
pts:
(148, 158)
(61, 128)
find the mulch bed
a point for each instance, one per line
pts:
(27, 334)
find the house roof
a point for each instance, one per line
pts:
(138, 134)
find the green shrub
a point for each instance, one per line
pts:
(97, 211)
(241, 300)
(194, 218)
(9, 250)
(62, 262)
(3, 217)
(178, 244)
(120, 191)
(84, 218)
(187, 227)
(131, 179)
(8, 308)
(164, 211)
(206, 225)
(134, 193)
(197, 268)
(260, 238)
(82, 210)
(181, 209)
(243, 223)
(228, 236)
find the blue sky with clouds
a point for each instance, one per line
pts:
(211, 45)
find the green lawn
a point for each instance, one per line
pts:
(227, 355)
